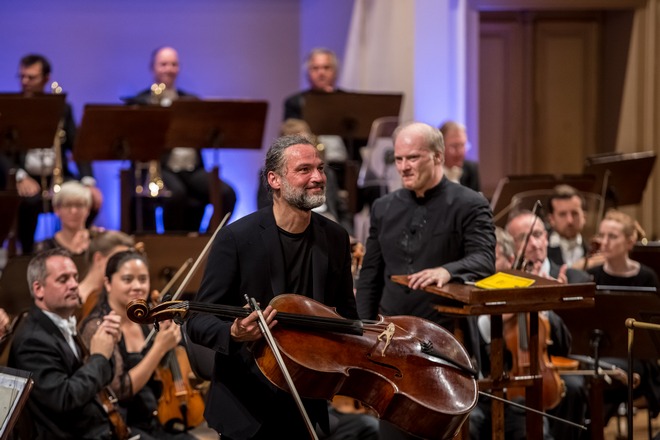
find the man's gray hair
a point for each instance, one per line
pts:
(37, 270)
(276, 159)
(433, 138)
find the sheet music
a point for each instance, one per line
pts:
(11, 388)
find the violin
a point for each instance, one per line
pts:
(409, 371)
(108, 400)
(516, 331)
(180, 406)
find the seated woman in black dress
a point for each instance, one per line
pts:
(617, 234)
(126, 279)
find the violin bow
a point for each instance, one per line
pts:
(519, 258)
(192, 271)
(536, 411)
(265, 330)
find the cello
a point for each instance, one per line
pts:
(410, 371)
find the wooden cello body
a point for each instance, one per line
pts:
(395, 366)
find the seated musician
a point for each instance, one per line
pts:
(457, 168)
(182, 169)
(291, 240)
(566, 216)
(34, 74)
(63, 403)
(617, 235)
(523, 226)
(102, 246)
(126, 279)
(515, 418)
(71, 205)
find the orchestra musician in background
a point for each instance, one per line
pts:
(102, 246)
(71, 204)
(63, 403)
(456, 167)
(34, 72)
(566, 216)
(434, 230)
(524, 225)
(182, 169)
(617, 234)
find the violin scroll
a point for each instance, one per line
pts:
(138, 311)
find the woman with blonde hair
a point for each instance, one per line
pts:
(617, 235)
(71, 204)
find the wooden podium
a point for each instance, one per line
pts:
(544, 294)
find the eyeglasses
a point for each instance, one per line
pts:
(28, 77)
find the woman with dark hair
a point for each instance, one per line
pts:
(126, 279)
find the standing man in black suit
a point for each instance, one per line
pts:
(63, 403)
(283, 248)
(457, 168)
(182, 169)
(433, 230)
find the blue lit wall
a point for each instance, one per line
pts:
(228, 48)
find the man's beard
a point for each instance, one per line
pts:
(298, 197)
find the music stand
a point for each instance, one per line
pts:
(15, 387)
(601, 331)
(609, 315)
(509, 186)
(217, 124)
(29, 122)
(119, 132)
(626, 174)
(349, 115)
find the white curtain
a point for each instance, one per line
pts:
(380, 50)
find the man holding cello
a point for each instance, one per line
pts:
(283, 248)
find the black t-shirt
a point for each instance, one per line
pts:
(297, 250)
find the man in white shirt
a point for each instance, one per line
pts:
(567, 219)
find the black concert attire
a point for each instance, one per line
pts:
(63, 403)
(649, 371)
(139, 410)
(254, 257)
(186, 179)
(451, 226)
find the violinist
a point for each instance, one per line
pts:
(283, 248)
(617, 234)
(127, 278)
(433, 229)
(573, 405)
(64, 401)
(515, 418)
(103, 245)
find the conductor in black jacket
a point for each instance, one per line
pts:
(283, 248)
(432, 229)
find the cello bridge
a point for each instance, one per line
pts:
(386, 336)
